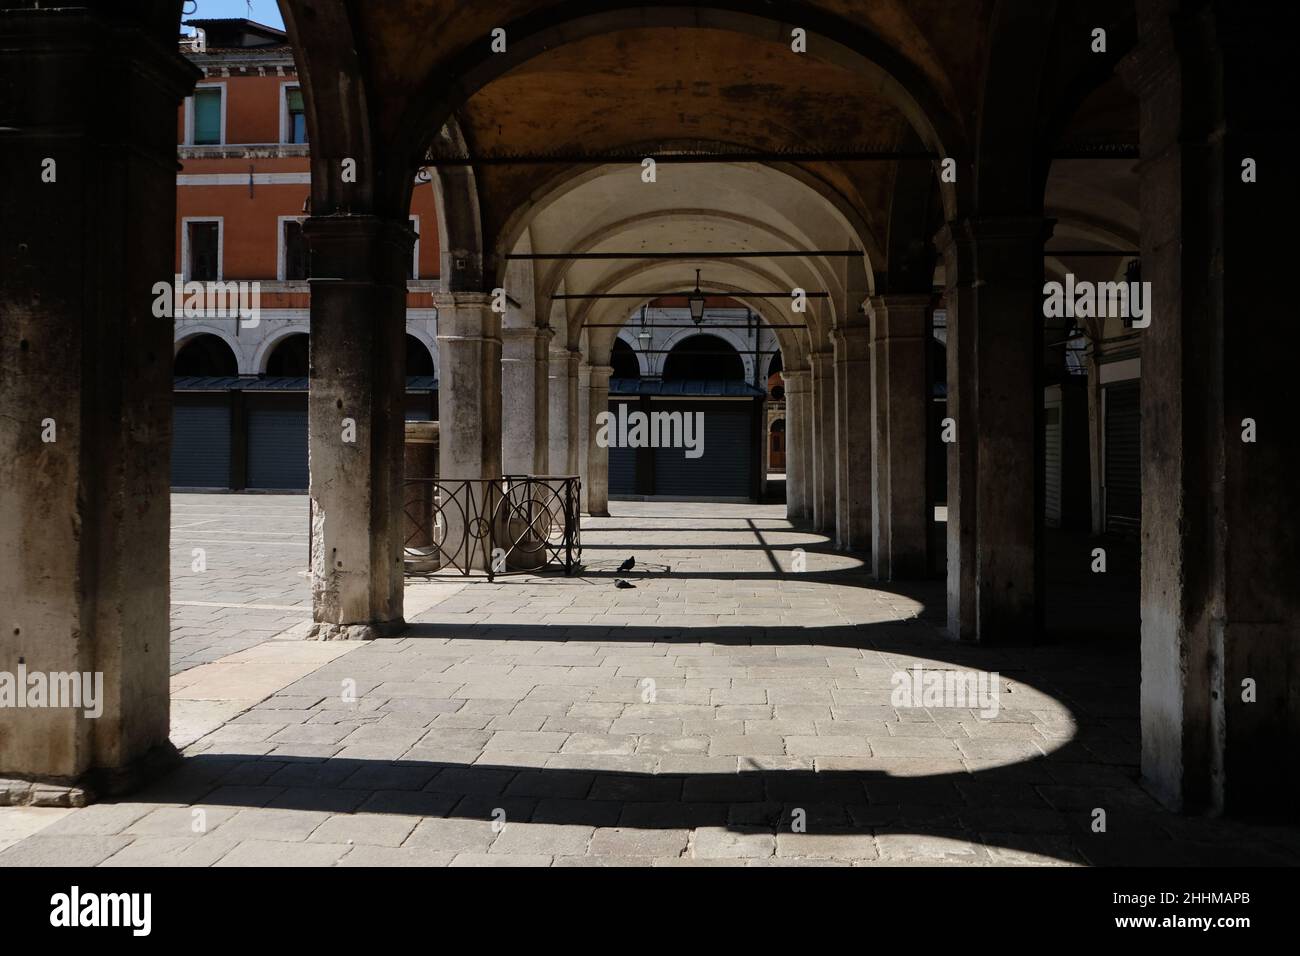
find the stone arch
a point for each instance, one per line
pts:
(788, 343)
(214, 343)
(272, 341)
(186, 333)
(850, 45)
(428, 341)
(558, 273)
(569, 180)
(287, 351)
(618, 357)
(421, 353)
(732, 337)
(683, 362)
(460, 225)
(337, 103)
(797, 341)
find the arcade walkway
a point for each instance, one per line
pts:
(726, 709)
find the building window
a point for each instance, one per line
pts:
(295, 251)
(295, 116)
(207, 117)
(203, 250)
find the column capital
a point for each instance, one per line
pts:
(467, 315)
(600, 375)
(852, 344)
(823, 363)
(904, 300)
(462, 300)
(795, 379)
(900, 316)
(1009, 247)
(527, 342)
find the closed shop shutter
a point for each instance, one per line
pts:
(277, 441)
(201, 440)
(1123, 459)
(1053, 477)
(725, 470)
(622, 461)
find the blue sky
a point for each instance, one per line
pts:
(264, 11)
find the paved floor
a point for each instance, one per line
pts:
(238, 579)
(736, 706)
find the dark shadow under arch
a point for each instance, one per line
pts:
(205, 355)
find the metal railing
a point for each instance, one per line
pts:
(494, 525)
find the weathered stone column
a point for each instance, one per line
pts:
(559, 406)
(584, 432)
(823, 445)
(597, 457)
(469, 400)
(525, 373)
(797, 496)
(1220, 690)
(356, 414)
(899, 333)
(87, 219)
(995, 509)
(853, 405)
(575, 419)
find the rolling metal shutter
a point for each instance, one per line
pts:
(622, 461)
(1052, 487)
(201, 440)
(725, 470)
(1123, 459)
(277, 441)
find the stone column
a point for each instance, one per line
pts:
(853, 405)
(558, 400)
(524, 397)
(1096, 437)
(584, 434)
(823, 446)
(87, 219)
(356, 414)
(469, 400)
(1220, 690)
(995, 509)
(575, 419)
(597, 457)
(899, 333)
(797, 496)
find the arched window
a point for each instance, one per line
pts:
(289, 358)
(205, 355)
(418, 360)
(623, 360)
(704, 357)
(775, 380)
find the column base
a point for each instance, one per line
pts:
(96, 784)
(325, 631)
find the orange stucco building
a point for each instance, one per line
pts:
(242, 191)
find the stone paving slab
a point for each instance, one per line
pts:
(724, 712)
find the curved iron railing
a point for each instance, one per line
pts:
(513, 523)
